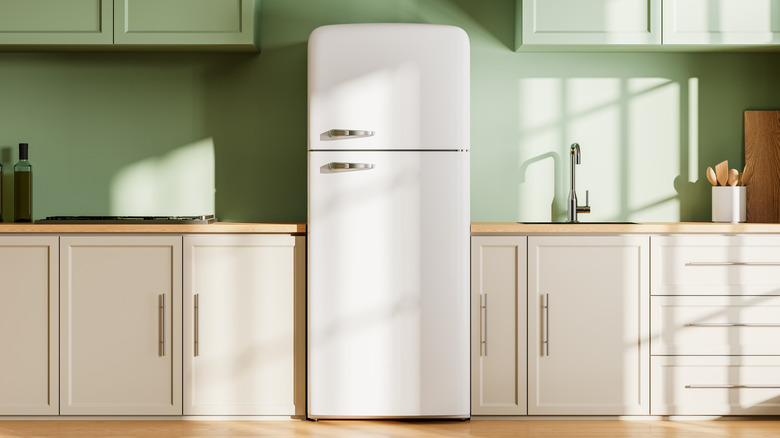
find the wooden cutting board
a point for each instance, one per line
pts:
(762, 160)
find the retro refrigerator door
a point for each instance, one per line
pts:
(388, 301)
(388, 86)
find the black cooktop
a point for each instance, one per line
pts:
(127, 220)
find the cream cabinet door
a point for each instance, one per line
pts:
(598, 22)
(244, 325)
(120, 332)
(721, 22)
(588, 325)
(185, 22)
(29, 381)
(56, 22)
(498, 325)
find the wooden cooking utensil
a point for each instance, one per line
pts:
(746, 176)
(722, 172)
(733, 177)
(711, 176)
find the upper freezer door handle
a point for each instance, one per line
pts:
(349, 166)
(349, 133)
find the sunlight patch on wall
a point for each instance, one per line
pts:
(179, 183)
(628, 130)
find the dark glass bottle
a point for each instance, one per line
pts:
(23, 187)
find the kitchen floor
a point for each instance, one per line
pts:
(388, 429)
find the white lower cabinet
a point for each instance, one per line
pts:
(498, 324)
(120, 325)
(716, 324)
(588, 325)
(716, 385)
(244, 325)
(29, 381)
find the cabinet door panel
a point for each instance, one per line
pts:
(56, 21)
(738, 325)
(588, 326)
(244, 325)
(184, 22)
(716, 385)
(591, 22)
(716, 264)
(29, 381)
(498, 322)
(112, 325)
(716, 22)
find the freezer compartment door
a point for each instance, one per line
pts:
(388, 86)
(388, 301)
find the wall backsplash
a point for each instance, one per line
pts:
(648, 123)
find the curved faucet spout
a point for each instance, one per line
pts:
(573, 207)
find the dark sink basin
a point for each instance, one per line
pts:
(577, 223)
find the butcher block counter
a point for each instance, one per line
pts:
(622, 228)
(213, 228)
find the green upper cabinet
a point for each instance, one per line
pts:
(590, 22)
(643, 25)
(228, 23)
(721, 22)
(55, 22)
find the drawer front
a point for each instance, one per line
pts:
(737, 325)
(715, 265)
(715, 385)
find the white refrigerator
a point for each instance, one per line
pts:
(388, 227)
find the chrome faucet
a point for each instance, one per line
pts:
(573, 207)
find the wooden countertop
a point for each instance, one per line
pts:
(642, 228)
(213, 228)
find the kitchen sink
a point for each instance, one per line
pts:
(577, 223)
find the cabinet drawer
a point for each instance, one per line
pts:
(748, 325)
(715, 385)
(715, 265)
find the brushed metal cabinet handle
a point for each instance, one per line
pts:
(483, 325)
(732, 264)
(350, 133)
(161, 324)
(728, 386)
(546, 334)
(197, 326)
(729, 324)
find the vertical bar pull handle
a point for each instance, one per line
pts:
(546, 336)
(197, 328)
(483, 326)
(161, 324)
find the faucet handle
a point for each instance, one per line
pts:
(585, 208)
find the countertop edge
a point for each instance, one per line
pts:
(639, 228)
(214, 228)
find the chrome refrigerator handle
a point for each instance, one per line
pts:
(349, 133)
(350, 166)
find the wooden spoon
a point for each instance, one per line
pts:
(722, 172)
(733, 177)
(711, 176)
(746, 176)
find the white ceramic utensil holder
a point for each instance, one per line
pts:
(728, 204)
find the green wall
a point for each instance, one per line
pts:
(110, 131)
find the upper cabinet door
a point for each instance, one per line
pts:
(598, 22)
(56, 22)
(721, 22)
(184, 22)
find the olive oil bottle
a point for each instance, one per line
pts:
(23, 186)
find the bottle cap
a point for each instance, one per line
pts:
(23, 151)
